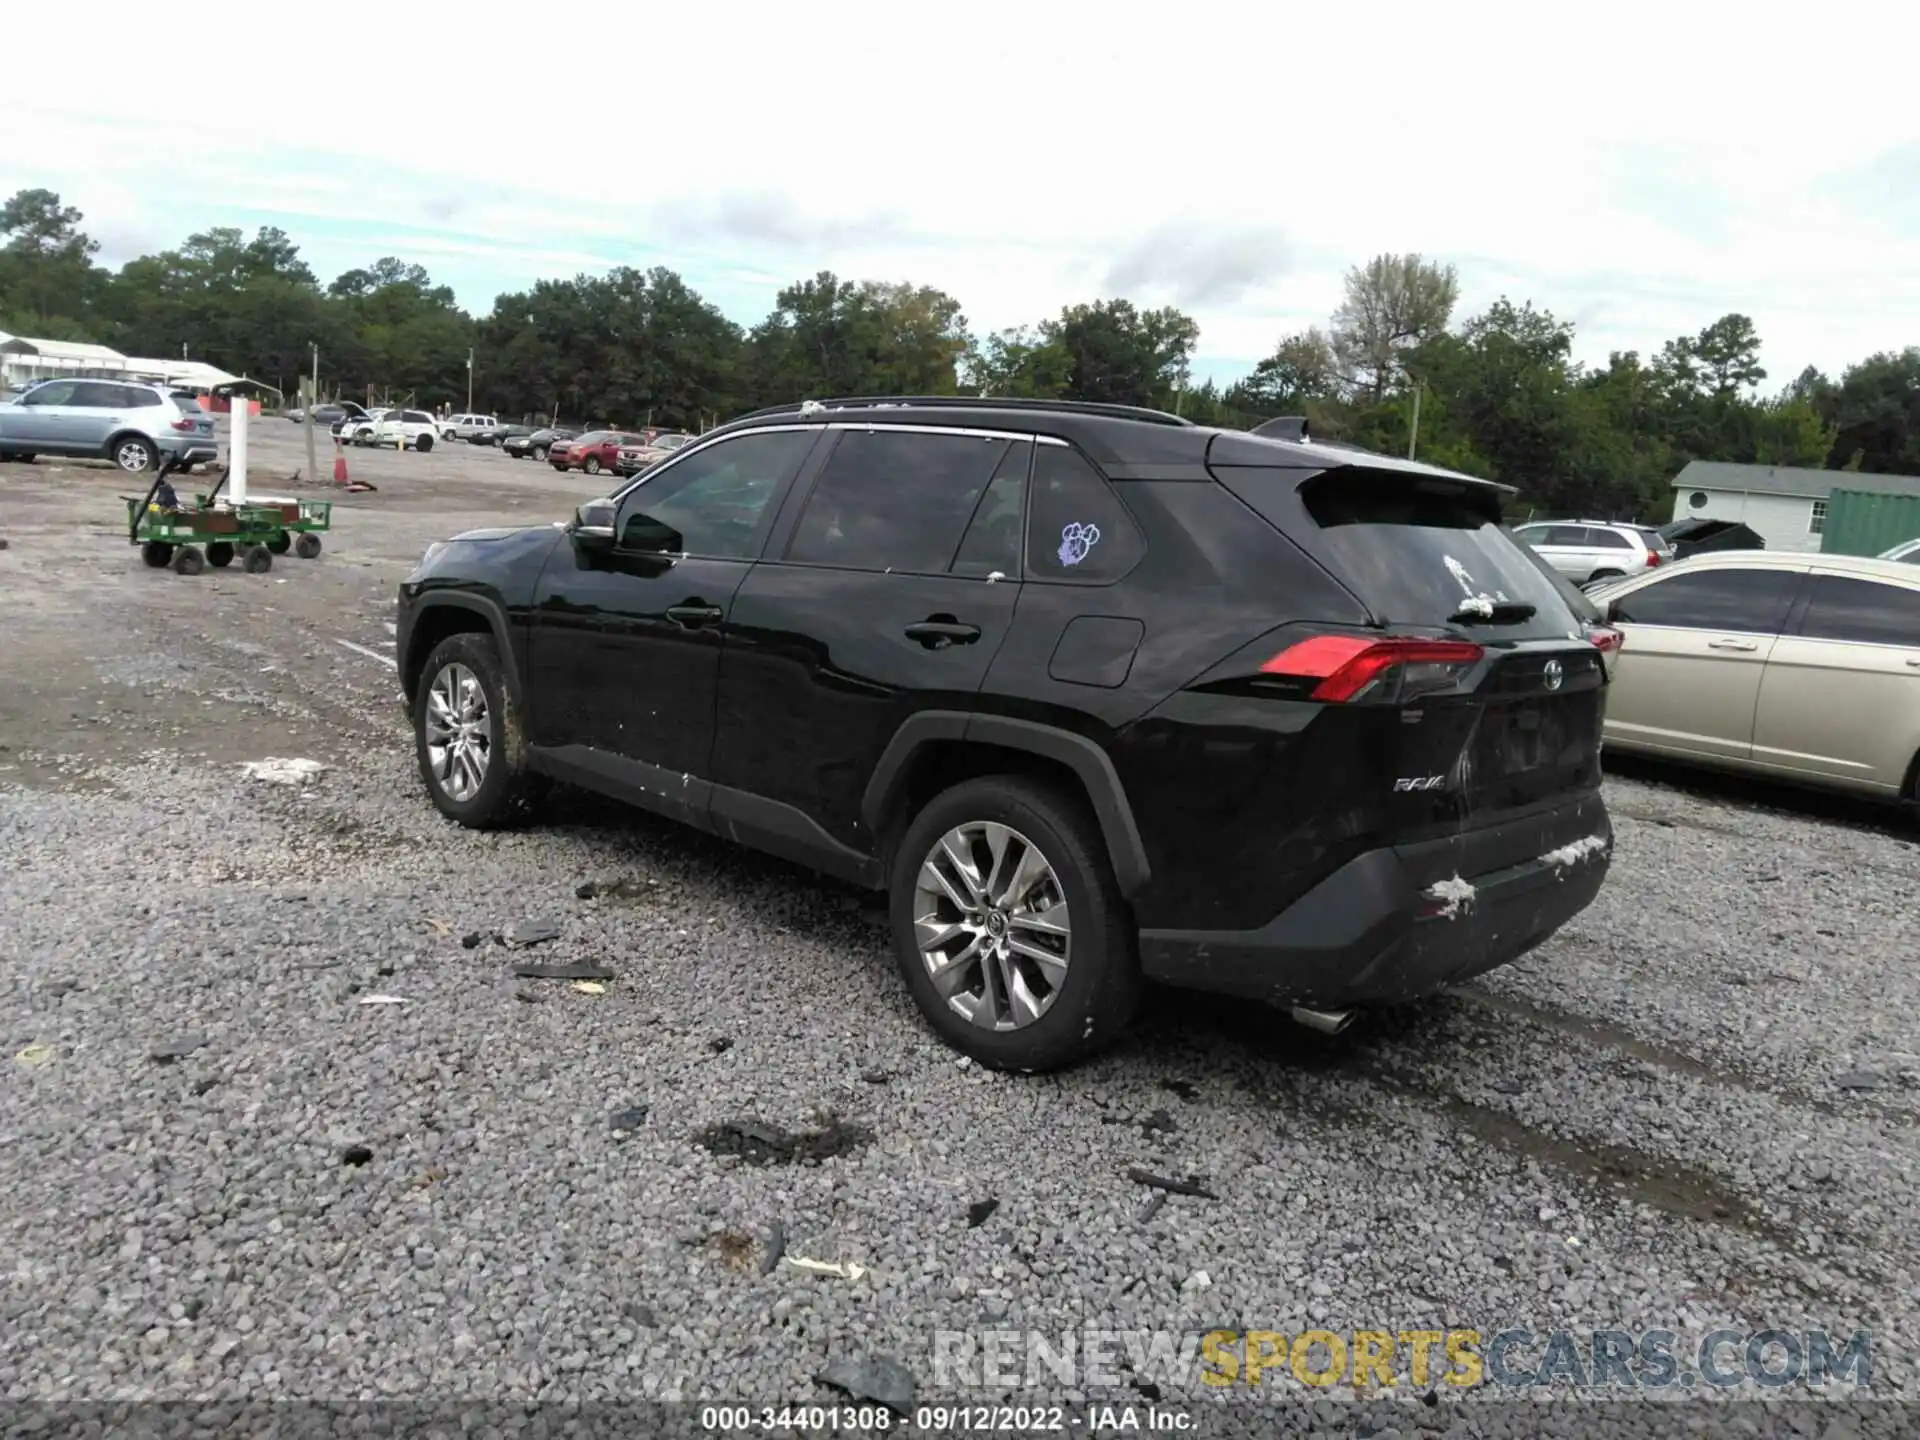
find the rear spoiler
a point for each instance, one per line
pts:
(1253, 448)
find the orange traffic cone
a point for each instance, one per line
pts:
(339, 464)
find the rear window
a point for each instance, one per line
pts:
(187, 404)
(1417, 550)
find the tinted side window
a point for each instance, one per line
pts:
(1862, 611)
(714, 502)
(1574, 535)
(893, 500)
(1079, 529)
(95, 395)
(58, 392)
(1610, 540)
(992, 541)
(1753, 601)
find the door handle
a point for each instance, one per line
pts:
(1914, 661)
(938, 633)
(1733, 645)
(693, 614)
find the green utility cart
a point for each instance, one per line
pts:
(189, 538)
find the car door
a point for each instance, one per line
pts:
(93, 414)
(1687, 679)
(1840, 698)
(624, 648)
(43, 416)
(888, 588)
(1559, 546)
(1610, 552)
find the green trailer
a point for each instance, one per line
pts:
(188, 538)
(1868, 522)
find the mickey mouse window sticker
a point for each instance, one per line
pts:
(1077, 542)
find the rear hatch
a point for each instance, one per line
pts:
(193, 420)
(1477, 681)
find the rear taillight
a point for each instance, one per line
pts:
(1350, 668)
(184, 425)
(1605, 638)
(1653, 558)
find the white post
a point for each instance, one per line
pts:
(237, 453)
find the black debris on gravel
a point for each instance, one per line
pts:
(471, 940)
(1193, 1187)
(562, 972)
(981, 1211)
(758, 1143)
(1185, 1089)
(1861, 1080)
(879, 1378)
(876, 1076)
(586, 890)
(356, 1156)
(720, 1044)
(532, 932)
(1160, 1122)
(625, 1122)
(168, 1051)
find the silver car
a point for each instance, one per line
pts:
(1588, 550)
(131, 425)
(1907, 552)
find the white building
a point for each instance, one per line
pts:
(1785, 504)
(23, 360)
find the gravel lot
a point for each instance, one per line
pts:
(1693, 1109)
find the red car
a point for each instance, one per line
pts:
(593, 452)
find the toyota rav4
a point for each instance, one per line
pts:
(1096, 696)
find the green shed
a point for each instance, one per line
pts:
(1868, 522)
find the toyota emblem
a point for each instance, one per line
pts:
(1553, 674)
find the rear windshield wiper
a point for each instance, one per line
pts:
(1492, 612)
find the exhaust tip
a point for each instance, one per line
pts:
(1327, 1022)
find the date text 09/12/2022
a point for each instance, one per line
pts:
(946, 1419)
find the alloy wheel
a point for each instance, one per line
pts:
(459, 734)
(133, 456)
(990, 918)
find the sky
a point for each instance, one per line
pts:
(1639, 170)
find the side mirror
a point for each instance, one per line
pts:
(645, 535)
(592, 527)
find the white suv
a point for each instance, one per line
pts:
(1589, 550)
(406, 429)
(469, 427)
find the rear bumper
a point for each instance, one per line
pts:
(1399, 923)
(192, 450)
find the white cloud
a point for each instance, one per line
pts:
(1639, 169)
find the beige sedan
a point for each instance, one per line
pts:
(1802, 667)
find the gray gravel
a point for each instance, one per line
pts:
(222, 1175)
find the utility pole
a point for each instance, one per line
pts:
(1413, 436)
(469, 379)
(315, 400)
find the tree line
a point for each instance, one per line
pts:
(1395, 367)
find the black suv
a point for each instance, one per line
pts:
(1094, 694)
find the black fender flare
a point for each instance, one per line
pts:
(1079, 754)
(489, 610)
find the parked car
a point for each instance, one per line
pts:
(1589, 550)
(466, 427)
(1697, 535)
(1798, 666)
(500, 435)
(536, 444)
(1907, 552)
(593, 452)
(405, 430)
(1285, 722)
(325, 413)
(134, 426)
(632, 459)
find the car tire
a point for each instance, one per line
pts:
(539, 452)
(258, 560)
(1090, 1004)
(592, 467)
(188, 560)
(560, 465)
(423, 444)
(461, 669)
(307, 545)
(219, 553)
(133, 454)
(157, 554)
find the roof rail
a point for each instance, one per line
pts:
(1282, 427)
(972, 402)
